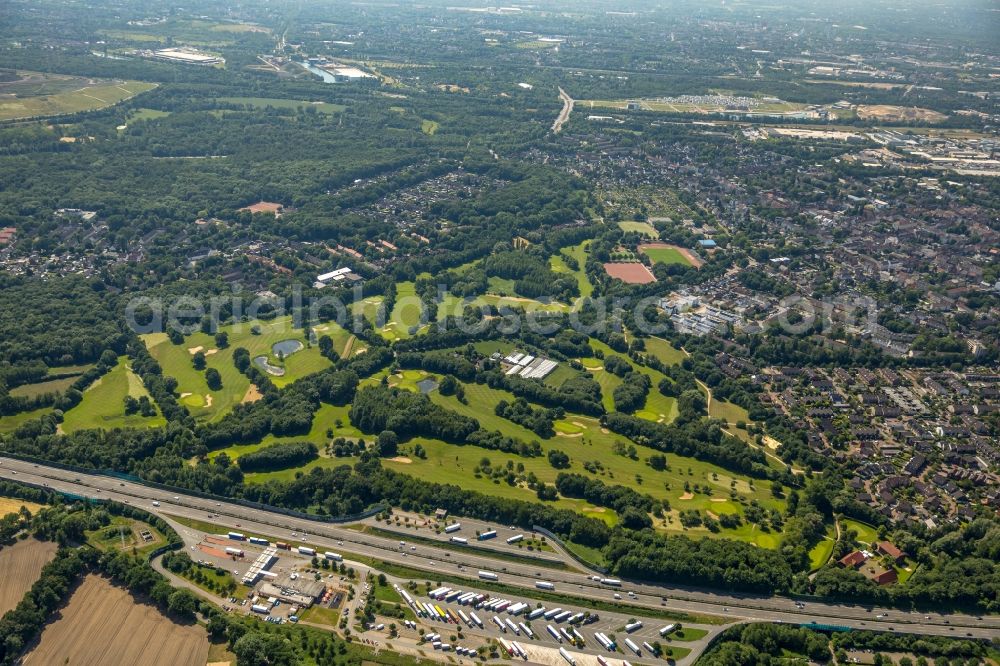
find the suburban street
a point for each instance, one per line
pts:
(436, 561)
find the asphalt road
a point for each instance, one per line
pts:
(564, 112)
(433, 560)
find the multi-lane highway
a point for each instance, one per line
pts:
(437, 561)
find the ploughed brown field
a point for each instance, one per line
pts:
(103, 625)
(21, 564)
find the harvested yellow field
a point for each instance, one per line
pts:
(13, 505)
(21, 564)
(103, 624)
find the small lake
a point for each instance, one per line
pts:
(427, 385)
(261, 362)
(286, 347)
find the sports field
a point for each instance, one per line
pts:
(631, 272)
(669, 254)
(123, 631)
(37, 94)
(103, 404)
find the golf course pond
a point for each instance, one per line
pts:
(282, 349)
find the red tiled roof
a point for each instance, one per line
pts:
(890, 550)
(887, 577)
(855, 559)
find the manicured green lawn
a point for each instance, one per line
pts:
(146, 114)
(665, 255)
(578, 252)
(11, 423)
(176, 361)
(41, 388)
(821, 552)
(866, 533)
(558, 376)
(658, 407)
(404, 321)
(582, 438)
(453, 306)
(664, 351)
(687, 634)
(367, 308)
(103, 403)
(728, 412)
(587, 553)
(642, 227)
(262, 102)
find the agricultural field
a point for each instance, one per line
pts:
(123, 632)
(103, 403)
(10, 505)
(36, 94)
(22, 564)
(208, 405)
